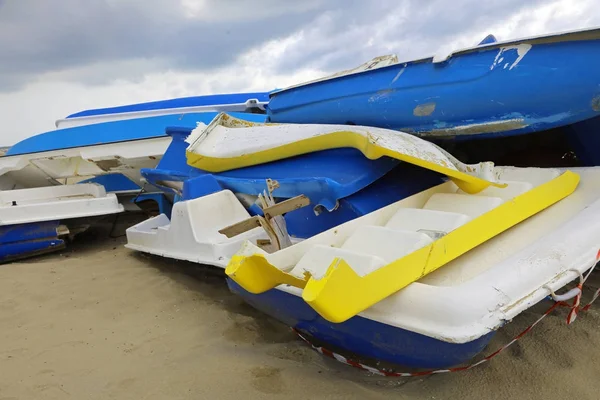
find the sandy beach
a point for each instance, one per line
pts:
(98, 321)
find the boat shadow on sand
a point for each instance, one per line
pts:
(551, 345)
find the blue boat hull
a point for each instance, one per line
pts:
(485, 93)
(116, 131)
(342, 181)
(324, 177)
(26, 240)
(366, 339)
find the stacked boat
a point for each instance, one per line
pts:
(55, 184)
(342, 212)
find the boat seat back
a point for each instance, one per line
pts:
(473, 206)
(420, 220)
(210, 213)
(368, 249)
(318, 259)
(513, 189)
(389, 244)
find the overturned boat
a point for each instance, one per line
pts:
(489, 90)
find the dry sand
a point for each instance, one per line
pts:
(101, 322)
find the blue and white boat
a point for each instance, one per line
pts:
(104, 148)
(38, 220)
(489, 90)
(117, 142)
(423, 282)
(340, 185)
(449, 316)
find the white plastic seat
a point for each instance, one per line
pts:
(535, 176)
(470, 205)
(389, 244)
(192, 233)
(418, 219)
(366, 250)
(211, 213)
(319, 258)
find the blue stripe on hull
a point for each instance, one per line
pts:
(31, 231)
(363, 337)
(113, 183)
(17, 251)
(25, 240)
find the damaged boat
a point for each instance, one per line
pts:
(397, 284)
(489, 90)
(334, 186)
(108, 153)
(97, 153)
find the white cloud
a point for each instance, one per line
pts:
(314, 50)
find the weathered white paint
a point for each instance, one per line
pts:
(51, 167)
(398, 74)
(521, 49)
(565, 36)
(229, 137)
(477, 128)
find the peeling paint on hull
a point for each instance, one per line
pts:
(521, 50)
(544, 85)
(485, 127)
(423, 110)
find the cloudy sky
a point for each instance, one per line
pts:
(63, 56)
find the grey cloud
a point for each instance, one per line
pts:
(411, 29)
(38, 36)
(97, 41)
